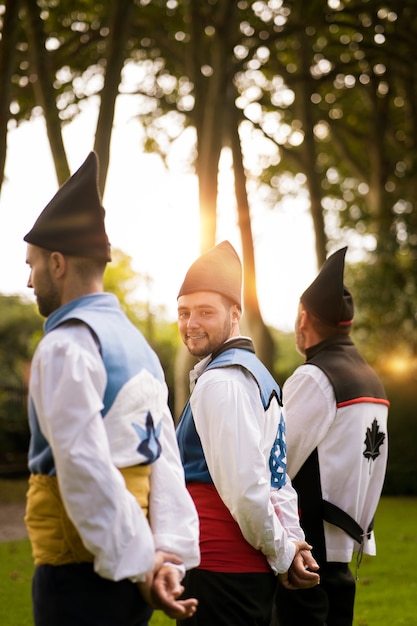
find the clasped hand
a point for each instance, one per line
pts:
(302, 572)
(163, 587)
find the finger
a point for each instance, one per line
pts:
(284, 580)
(287, 584)
(305, 580)
(181, 609)
(309, 560)
(167, 585)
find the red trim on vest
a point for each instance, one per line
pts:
(222, 545)
(364, 399)
(346, 323)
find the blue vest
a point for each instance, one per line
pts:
(191, 451)
(124, 351)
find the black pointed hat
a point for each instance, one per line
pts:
(73, 221)
(219, 270)
(327, 297)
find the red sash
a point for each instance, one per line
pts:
(222, 545)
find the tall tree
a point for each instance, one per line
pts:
(7, 58)
(115, 58)
(45, 96)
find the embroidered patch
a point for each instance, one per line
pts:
(374, 439)
(278, 458)
(149, 445)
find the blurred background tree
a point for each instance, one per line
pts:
(121, 279)
(20, 330)
(316, 100)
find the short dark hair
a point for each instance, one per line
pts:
(326, 330)
(89, 268)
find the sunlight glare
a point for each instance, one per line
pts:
(152, 214)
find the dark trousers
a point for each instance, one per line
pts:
(74, 595)
(230, 599)
(329, 604)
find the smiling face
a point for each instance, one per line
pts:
(206, 320)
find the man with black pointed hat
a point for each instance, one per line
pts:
(109, 518)
(232, 442)
(336, 414)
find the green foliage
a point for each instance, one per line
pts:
(385, 292)
(20, 330)
(401, 477)
(286, 356)
(14, 429)
(121, 279)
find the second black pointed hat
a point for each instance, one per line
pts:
(219, 270)
(73, 221)
(327, 297)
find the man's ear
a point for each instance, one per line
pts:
(236, 313)
(57, 264)
(303, 319)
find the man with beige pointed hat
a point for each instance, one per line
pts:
(232, 443)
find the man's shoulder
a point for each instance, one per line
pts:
(307, 372)
(69, 335)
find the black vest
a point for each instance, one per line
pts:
(352, 378)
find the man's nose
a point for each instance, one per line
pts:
(193, 320)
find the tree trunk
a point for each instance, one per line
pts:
(209, 108)
(43, 87)
(252, 320)
(115, 59)
(207, 116)
(184, 363)
(7, 57)
(304, 111)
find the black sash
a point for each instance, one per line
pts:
(314, 509)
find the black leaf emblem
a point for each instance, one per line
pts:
(373, 441)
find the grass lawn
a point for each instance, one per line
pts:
(386, 590)
(387, 586)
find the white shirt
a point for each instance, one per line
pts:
(237, 435)
(348, 479)
(67, 385)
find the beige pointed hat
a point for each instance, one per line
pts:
(219, 270)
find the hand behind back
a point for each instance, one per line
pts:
(302, 572)
(162, 588)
